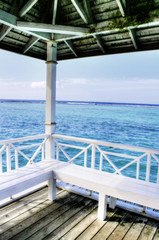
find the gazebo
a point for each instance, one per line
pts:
(56, 30)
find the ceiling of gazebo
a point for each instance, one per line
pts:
(82, 28)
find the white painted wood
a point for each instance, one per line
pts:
(23, 139)
(121, 7)
(80, 10)
(17, 181)
(50, 28)
(54, 11)
(43, 152)
(1, 167)
(116, 186)
(71, 47)
(101, 162)
(16, 159)
(33, 40)
(148, 167)
(85, 158)
(108, 144)
(112, 202)
(11, 21)
(8, 157)
(102, 206)
(50, 98)
(93, 156)
(52, 189)
(132, 35)
(27, 7)
(99, 42)
(4, 31)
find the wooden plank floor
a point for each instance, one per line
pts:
(71, 217)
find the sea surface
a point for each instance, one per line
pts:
(135, 125)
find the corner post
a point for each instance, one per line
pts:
(50, 125)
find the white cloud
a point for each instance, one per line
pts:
(41, 84)
(77, 81)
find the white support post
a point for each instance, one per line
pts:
(93, 156)
(102, 206)
(50, 98)
(52, 189)
(8, 155)
(112, 202)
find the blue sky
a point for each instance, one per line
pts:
(132, 78)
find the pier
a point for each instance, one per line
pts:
(103, 201)
(71, 216)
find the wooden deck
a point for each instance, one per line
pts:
(70, 217)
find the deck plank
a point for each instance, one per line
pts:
(136, 228)
(71, 217)
(123, 227)
(148, 231)
(95, 227)
(110, 226)
(64, 228)
(55, 222)
(81, 226)
(26, 219)
(156, 236)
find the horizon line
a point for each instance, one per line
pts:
(76, 101)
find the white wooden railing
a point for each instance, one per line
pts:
(137, 162)
(14, 152)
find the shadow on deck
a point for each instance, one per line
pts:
(70, 217)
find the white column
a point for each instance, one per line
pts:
(50, 124)
(102, 206)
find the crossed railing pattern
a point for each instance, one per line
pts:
(9, 146)
(143, 158)
(93, 153)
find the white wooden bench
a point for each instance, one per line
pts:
(107, 184)
(16, 181)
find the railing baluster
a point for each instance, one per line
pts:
(16, 159)
(1, 166)
(148, 167)
(8, 156)
(101, 161)
(158, 174)
(42, 152)
(138, 169)
(93, 156)
(57, 153)
(85, 158)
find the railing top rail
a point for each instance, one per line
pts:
(107, 144)
(23, 139)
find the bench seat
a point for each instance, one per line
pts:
(106, 184)
(16, 181)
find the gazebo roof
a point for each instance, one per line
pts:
(82, 28)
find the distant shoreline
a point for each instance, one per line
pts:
(78, 102)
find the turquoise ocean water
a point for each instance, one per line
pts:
(131, 125)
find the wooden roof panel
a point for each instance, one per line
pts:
(111, 27)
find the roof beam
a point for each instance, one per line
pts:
(49, 28)
(132, 35)
(71, 47)
(88, 10)
(99, 42)
(31, 42)
(4, 31)
(27, 7)
(54, 11)
(80, 10)
(11, 21)
(122, 6)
